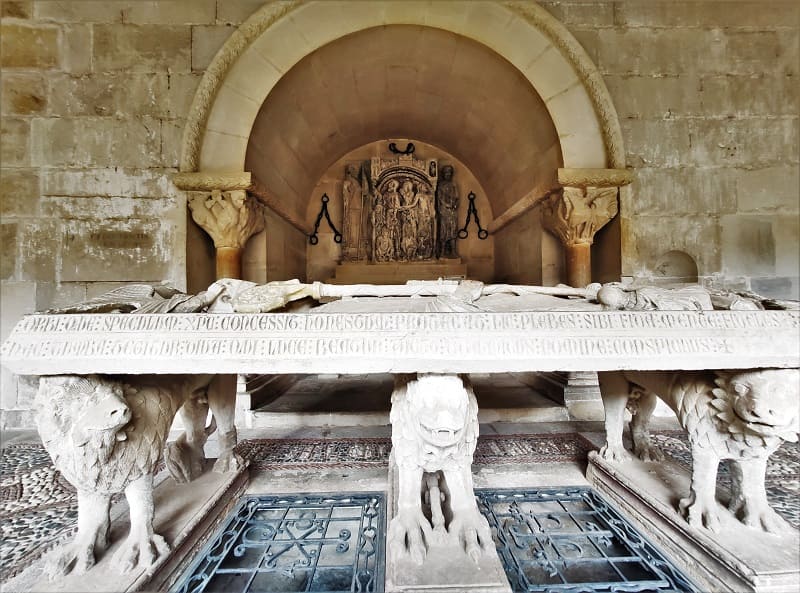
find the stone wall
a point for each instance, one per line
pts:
(95, 96)
(707, 97)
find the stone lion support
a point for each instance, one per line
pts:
(437, 537)
(106, 436)
(739, 415)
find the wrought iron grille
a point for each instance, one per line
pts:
(298, 542)
(559, 540)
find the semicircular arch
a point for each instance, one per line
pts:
(279, 35)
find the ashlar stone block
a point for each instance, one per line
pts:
(76, 48)
(654, 97)
(684, 190)
(234, 13)
(81, 11)
(771, 189)
(206, 42)
(16, 9)
(19, 192)
(748, 245)
(111, 181)
(15, 142)
(22, 94)
(8, 244)
(170, 12)
(753, 142)
(28, 46)
(135, 48)
(654, 236)
(690, 13)
(744, 96)
(38, 246)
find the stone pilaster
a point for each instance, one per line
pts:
(586, 204)
(230, 218)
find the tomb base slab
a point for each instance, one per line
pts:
(735, 559)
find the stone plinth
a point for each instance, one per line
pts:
(397, 272)
(185, 515)
(737, 559)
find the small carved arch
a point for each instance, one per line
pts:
(677, 266)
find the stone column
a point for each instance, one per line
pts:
(230, 218)
(587, 202)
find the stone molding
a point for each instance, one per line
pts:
(532, 13)
(207, 181)
(595, 177)
(577, 213)
(286, 343)
(229, 217)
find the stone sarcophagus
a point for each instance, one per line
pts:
(731, 377)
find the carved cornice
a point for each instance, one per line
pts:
(595, 177)
(230, 217)
(205, 181)
(575, 215)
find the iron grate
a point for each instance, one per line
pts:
(559, 540)
(298, 542)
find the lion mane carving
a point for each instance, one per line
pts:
(434, 433)
(743, 416)
(106, 436)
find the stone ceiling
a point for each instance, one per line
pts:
(404, 82)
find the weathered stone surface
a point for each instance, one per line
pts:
(96, 142)
(768, 190)
(111, 207)
(697, 236)
(76, 49)
(19, 192)
(744, 96)
(135, 48)
(15, 138)
(38, 244)
(779, 288)
(171, 12)
(683, 13)
(651, 143)
(111, 181)
(59, 294)
(81, 11)
(18, 9)
(655, 97)
(22, 94)
(742, 143)
(684, 190)
(8, 249)
(787, 242)
(748, 245)
(171, 139)
(234, 13)
(582, 14)
(28, 46)
(206, 41)
(131, 249)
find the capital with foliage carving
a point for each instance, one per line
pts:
(229, 217)
(577, 213)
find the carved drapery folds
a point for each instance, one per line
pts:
(586, 204)
(230, 218)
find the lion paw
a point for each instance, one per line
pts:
(140, 552)
(649, 453)
(766, 519)
(183, 462)
(614, 453)
(72, 558)
(473, 533)
(410, 532)
(228, 462)
(699, 514)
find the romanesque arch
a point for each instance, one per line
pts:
(276, 37)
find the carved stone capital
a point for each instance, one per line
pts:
(595, 177)
(577, 213)
(229, 217)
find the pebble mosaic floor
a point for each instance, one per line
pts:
(38, 508)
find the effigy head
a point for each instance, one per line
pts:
(612, 297)
(441, 405)
(766, 400)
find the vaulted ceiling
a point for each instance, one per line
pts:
(404, 82)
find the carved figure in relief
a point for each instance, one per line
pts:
(743, 416)
(384, 222)
(106, 436)
(407, 218)
(353, 212)
(434, 433)
(447, 200)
